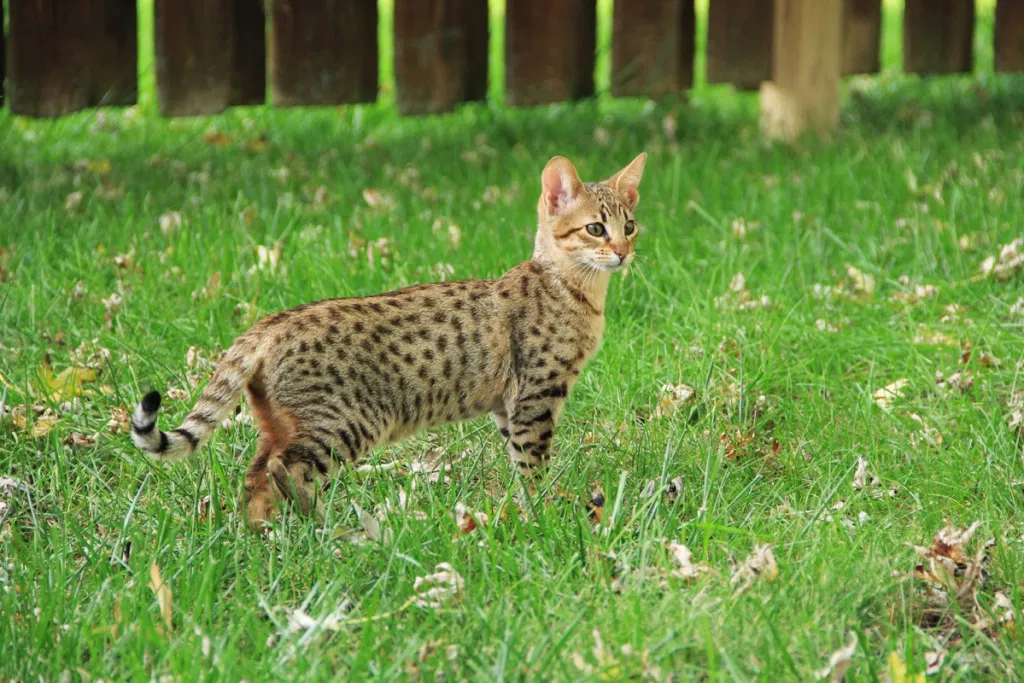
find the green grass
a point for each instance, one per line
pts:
(538, 583)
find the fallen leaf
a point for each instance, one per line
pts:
(215, 138)
(65, 385)
(862, 477)
(839, 662)
(684, 558)
(760, 564)
(43, 424)
(898, 670)
(1007, 263)
(371, 525)
(933, 661)
(376, 199)
(119, 422)
(887, 395)
(73, 201)
(163, 595)
(468, 521)
(434, 590)
(672, 398)
(81, 440)
(268, 258)
(178, 394)
(170, 221)
(862, 282)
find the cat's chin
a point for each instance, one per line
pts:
(609, 268)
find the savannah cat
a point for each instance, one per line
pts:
(328, 381)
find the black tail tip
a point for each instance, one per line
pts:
(151, 402)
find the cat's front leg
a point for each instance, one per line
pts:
(531, 426)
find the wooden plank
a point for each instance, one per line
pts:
(65, 56)
(3, 55)
(938, 36)
(862, 36)
(478, 47)
(323, 52)
(1009, 38)
(249, 57)
(433, 64)
(804, 91)
(549, 50)
(739, 42)
(653, 44)
(209, 55)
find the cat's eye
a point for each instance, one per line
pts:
(595, 229)
(630, 228)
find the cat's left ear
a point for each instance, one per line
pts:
(627, 180)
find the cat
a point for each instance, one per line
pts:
(328, 381)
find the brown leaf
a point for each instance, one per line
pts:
(163, 595)
(433, 590)
(468, 521)
(215, 138)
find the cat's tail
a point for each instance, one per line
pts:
(217, 401)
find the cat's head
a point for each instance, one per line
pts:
(588, 226)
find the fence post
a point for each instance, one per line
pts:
(1009, 38)
(549, 50)
(652, 47)
(65, 56)
(206, 56)
(323, 52)
(938, 36)
(3, 55)
(862, 36)
(804, 91)
(440, 54)
(740, 38)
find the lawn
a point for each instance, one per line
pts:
(786, 286)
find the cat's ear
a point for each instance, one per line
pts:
(560, 185)
(627, 180)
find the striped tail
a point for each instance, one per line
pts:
(217, 401)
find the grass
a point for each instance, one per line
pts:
(923, 179)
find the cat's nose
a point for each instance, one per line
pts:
(622, 255)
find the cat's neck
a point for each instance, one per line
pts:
(585, 284)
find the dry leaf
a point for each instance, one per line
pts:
(684, 558)
(371, 525)
(178, 394)
(82, 440)
(672, 398)
(433, 590)
(898, 671)
(119, 422)
(862, 282)
(163, 595)
(887, 395)
(433, 464)
(44, 423)
(839, 662)
(268, 258)
(65, 385)
(215, 138)
(760, 564)
(1009, 261)
(376, 199)
(73, 201)
(170, 221)
(468, 521)
(862, 477)
(933, 661)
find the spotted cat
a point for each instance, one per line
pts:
(328, 381)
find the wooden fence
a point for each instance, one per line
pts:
(66, 55)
